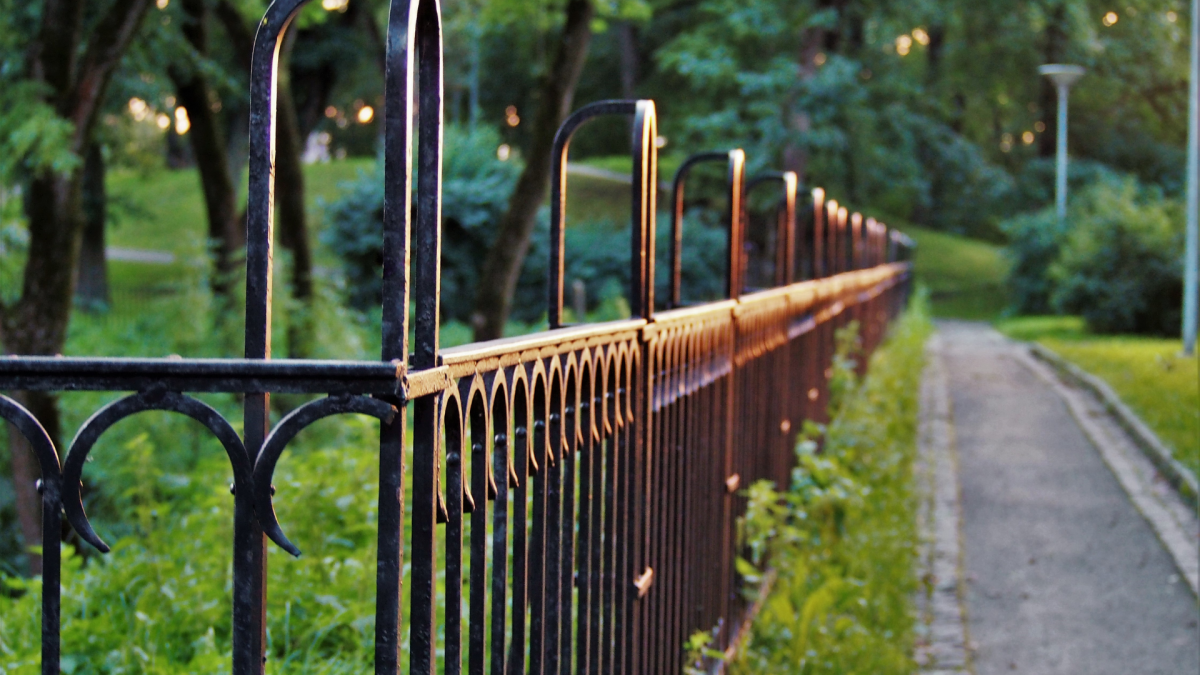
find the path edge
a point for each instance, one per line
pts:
(1177, 475)
(941, 602)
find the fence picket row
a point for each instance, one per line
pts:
(607, 459)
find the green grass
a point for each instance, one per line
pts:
(667, 164)
(843, 536)
(593, 200)
(965, 277)
(1149, 374)
(164, 210)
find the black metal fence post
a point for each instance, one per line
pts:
(608, 460)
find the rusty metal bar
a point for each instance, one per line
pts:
(608, 460)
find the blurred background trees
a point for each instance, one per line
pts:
(123, 126)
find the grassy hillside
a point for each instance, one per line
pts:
(164, 210)
(965, 277)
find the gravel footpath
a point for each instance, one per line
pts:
(1063, 574)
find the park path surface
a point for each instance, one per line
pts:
(1062, 573)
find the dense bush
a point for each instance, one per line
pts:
(1120, 264)
(1034, 240)
(1116, 260)
(598, 254)
(475, 189)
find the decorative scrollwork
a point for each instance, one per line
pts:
(283, 433)
(20, 417)
(155, 399)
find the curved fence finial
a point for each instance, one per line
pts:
(645, 185)
(785, 224)
(735, 178)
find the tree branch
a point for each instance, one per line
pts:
(108, 44)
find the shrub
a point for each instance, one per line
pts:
(476, 187)
(1120, 265)
(1034, 240)
(1035, 237)
(598, 254)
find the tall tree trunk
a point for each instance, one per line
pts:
(498, 281)
(293, 230)
(226, 234)
(627, 43)
(235, 113)
(289, 179)
(92, 289)
(813, 41)
(76, 76)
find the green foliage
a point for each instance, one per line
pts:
(160, 602)
(1115, 260)
(475, 189)
(598, 254)
(847, 352)
(965, 277)
(1120, 265)
(1034, 241)
(842, 537)
(33, 138)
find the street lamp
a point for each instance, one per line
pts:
(1192, 261)
(1063, 76)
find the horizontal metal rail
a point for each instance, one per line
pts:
(577, 490)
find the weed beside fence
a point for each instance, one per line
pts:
(842, 540)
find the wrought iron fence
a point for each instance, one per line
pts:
(587, 476)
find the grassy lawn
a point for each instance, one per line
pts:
(965, 277)
(164, 210)
(1149, 375)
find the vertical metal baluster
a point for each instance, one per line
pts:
(480, 489)
(455, 501)
(670, 555)
(584, 568)
(502, 431)
(426, 437)
(614, 514)
(628, 532)
(650, 636)
(522, 406)
(537, 544)
(554, 524)
(728, 550)
(600, 451)
(623, 567)
(249, 548)
(49, 487)
(683, 507)
(566, 583)
(661, 450)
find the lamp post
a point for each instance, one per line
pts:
(1193, 199)
(1063, 76)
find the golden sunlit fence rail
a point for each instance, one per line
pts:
(574, 493)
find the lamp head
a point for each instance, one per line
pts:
(1060, 74)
